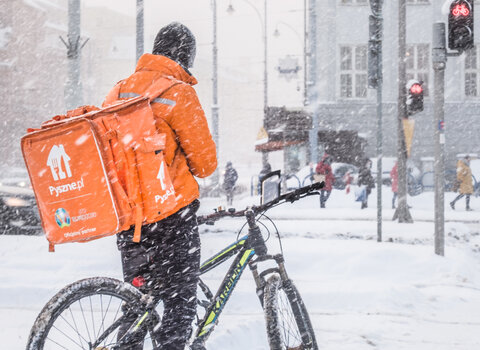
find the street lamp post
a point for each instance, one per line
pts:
(313, 87)
(215, 107)
(305, 54)
(264, 23)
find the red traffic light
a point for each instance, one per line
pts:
(416, 89)
(461, 9)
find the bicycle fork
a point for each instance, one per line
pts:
(260, 278)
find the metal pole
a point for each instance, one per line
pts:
(402, 212)
(265, 77)
(140, 29)
(215, 88)
(305, 54)
(439, 59)
(376, 6)
(73, 89)
(313, 94)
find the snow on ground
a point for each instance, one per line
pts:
(361, 294)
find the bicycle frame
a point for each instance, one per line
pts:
(244, 254)
(244, 251)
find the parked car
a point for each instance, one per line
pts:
(387, 166)
(339, 170)
(18, 208)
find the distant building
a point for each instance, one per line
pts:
(33, 63)
(32, 67)
(347, 104)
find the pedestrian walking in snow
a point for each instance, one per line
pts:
(165, 263)
(230, 178)
(323, 173)
(267, 169)
(464, 178)
(394, 178)
(365, 179)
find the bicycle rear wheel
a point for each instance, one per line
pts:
(89, 314)
(288, 324)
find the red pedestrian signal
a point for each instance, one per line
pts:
(416, 88)
(414, 97)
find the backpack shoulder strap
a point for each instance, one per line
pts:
(112, 96)
(159, 87)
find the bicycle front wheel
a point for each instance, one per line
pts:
(288, 324)
(90, 314)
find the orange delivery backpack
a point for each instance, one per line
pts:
(96, 172)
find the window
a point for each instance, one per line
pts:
(417, 62)
(418, 1)
(353, 2)
(353, 71)
(471, 72)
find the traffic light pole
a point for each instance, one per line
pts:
(402, 213)
(376, 81)
(439, 59)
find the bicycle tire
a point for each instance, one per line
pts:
(288, 323)
(56, 325)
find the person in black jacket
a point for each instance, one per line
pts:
(365, 178)
(230, 178)
(267, 169)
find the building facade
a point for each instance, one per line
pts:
(346, 103)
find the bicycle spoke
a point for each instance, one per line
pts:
(53, 341)
(102, 325)
(75, 329)
(75, 324)
(91, 313)
(66, 336)
(289, 328)
(85, 321)
(115, 335)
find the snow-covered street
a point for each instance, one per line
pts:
(360, 294)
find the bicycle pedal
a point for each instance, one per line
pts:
(203, 303)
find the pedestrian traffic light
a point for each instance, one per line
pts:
(414, 97)
(460, 25)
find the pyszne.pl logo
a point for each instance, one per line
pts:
(56, 158)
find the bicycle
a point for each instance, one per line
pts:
(90, 313)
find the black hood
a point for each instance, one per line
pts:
(176, 42)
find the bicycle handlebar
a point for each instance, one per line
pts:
(286, 197)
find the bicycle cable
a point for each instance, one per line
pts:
(256, 220)
(276, 231)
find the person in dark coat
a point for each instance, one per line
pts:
(267, 169)
(464, 178)
(323, 172)
(365, 178)
(230, 178)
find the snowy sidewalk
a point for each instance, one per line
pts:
(361, 294)
(342, 206)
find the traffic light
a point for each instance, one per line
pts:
(460, 25)
(414, 97)
(374, 51)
